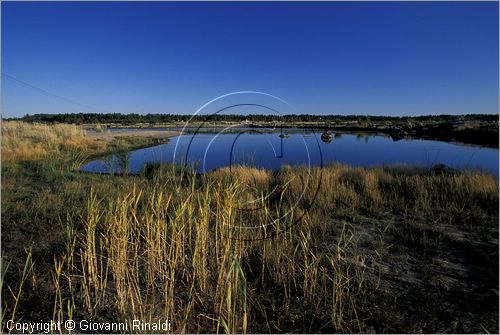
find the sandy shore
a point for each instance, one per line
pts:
(109, 136)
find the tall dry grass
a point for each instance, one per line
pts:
(187, 252)
(184, 254)
(23, 141)
(205, 253)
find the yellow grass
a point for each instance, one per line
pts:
(24, 141)
(189, 252)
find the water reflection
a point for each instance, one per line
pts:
(269, 151)
(118, 163)
(327, 137)
(123, 161)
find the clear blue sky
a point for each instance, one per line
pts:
(383, 58)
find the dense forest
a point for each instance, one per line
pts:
(92, 118)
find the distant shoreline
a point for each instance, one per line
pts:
(445, 137)
(477, 129)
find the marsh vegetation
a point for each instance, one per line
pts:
(383, 249)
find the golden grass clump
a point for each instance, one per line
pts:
(23, 141)
(186, 254)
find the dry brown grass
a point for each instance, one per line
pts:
(30, 141)
(180, 252)
(156, 248)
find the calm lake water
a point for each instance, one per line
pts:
(210, 151)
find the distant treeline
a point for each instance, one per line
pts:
(92, 118)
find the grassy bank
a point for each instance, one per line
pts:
(393, 249)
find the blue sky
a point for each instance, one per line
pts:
(405, 58)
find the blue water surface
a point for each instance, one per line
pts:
(268, 150)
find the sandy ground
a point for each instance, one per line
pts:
(109, 136)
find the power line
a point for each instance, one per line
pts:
(50, 94)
